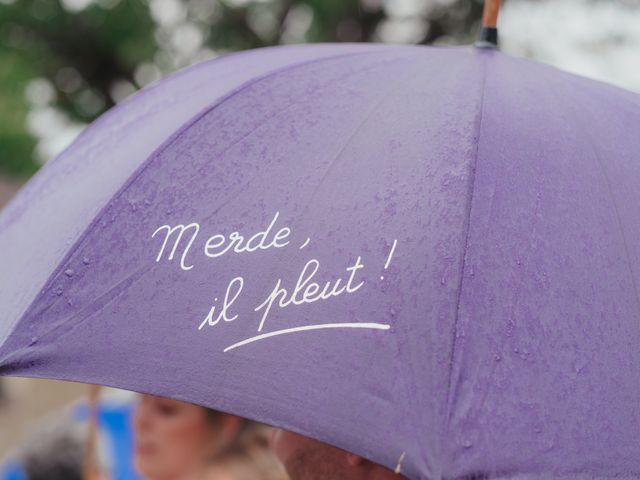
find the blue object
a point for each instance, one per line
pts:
(114, 426)
(12, 470)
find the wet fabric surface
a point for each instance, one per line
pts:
(426, 256)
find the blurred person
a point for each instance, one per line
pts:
(175, 440)
(308, 459)
(55, 450)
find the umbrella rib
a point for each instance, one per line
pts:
(59, 330)
(607, 183)
(464, 250)
(296, 222)
(250, 180)
(395, 87)
(62, 328)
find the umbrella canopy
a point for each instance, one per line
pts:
(426, 256)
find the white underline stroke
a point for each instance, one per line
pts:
(375, 326)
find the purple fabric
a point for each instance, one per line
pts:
(473, 217)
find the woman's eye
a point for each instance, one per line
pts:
(167, 409)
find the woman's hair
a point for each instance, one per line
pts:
(247, 456)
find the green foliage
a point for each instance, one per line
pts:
(81, 53)
(16, 145)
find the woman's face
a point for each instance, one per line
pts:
(172, 438)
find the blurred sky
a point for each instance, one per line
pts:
(600, 40)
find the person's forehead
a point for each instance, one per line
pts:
(292, 438)
(166, 401)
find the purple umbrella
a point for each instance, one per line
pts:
(425, 256)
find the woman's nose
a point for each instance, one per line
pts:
(141, 418)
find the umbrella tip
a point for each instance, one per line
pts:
(399, 465)
(489, 31)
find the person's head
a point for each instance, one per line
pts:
(54, 451)
(175, 440)
(308, 459)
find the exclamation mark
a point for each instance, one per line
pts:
(386, 265)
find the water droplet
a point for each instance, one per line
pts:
(147, 201)
(34, 340)
(497, 357)
(510, 327)
(69, 272)
(467, 444)
(442, 281)
(86, 261)
(59, 291)
(579, 365)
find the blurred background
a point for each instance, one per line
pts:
(65, 62)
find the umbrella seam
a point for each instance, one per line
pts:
(607, 183)
(231, 197)
(415, 431)
(463, 263)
